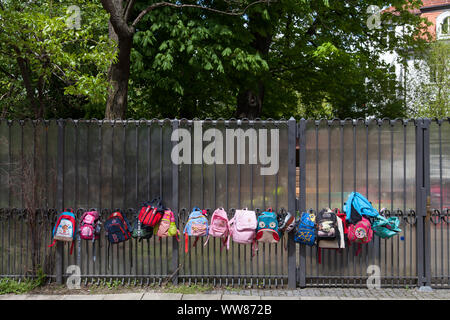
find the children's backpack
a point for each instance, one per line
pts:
(267, 227)
(151, 212)
(139, 231)
(360, 233)
(327, 228)
(386, 227)
(196, 226)
(243, 227)
(286, 221)
(117, 228)
(342, 216)
(357, 206)
(65, 228)
(305, 231)
(167, 227)
(89, 228)
(219, 227)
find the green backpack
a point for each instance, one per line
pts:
(140, 231)
(386, 227)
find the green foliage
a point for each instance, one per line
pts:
(60, 66)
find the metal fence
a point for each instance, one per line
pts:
(116, 165)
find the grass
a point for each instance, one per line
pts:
(14, 286)
(188, 289)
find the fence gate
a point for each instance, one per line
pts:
(400, 165)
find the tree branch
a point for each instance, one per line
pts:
(117, 20)
(174, 5)
(128, 10)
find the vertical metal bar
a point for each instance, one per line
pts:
(301, 272)
(175, 206)
(60, 198)
(420, 203)
(426, 185)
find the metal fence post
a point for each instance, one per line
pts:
(175, 208)
(60, 198)
(292, 138)
(423, 202)
(302, 198)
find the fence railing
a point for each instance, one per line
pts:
(116, 165)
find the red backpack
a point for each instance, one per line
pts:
(151, 213)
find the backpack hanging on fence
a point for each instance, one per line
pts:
(357, 206)
(65, 228)
(219, 227)
(89, 229)
(196, 226)
(243, 226)
(117, 228)
(286, 221)
(151, 212)
(267, 227)
(139, 231)
(360, 233)
(338, 242)
(386, 227)
(167, 227)
(327, 227)
(342, 216)
(305, 231)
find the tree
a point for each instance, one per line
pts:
(123, 28)
(44, 64)
(308, 58)
(429, 83)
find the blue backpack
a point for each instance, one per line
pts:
(196, 226)
(267, 227)
(305, 232)
(357, 206)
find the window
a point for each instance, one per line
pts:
(443, 26)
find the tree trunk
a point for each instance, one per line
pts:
(118, 76)
(250, 98)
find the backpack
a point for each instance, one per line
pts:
(166, 227)
(151, 212)
(339, 241)
(305, 231)
(360, 232)
(65, 228)
(139, 231)
(196, 226)
(243, 226)
(327, 227)
(342, 216)
(219, 227)
(267, 227)
(286, 221)
(117, 228)
(386, 227)
(357, 206)
(89, 228)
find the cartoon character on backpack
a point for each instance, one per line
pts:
(89, 228)
(267, 227)
(196, 226)
(65, 228)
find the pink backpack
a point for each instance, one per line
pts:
(166, 227)
(89, 226)
(360, 232)
(219, 227)
(243, 227)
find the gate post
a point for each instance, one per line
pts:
(59, 263)
(292, 138)
(302, 198)
(423, 202)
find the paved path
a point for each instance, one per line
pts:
(299, 294)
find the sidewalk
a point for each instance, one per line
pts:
(254, 294)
